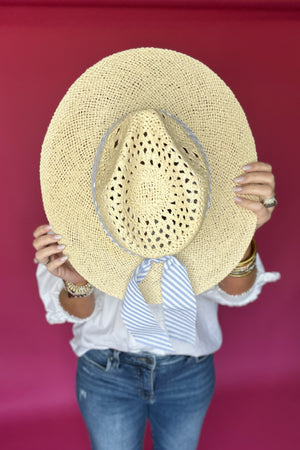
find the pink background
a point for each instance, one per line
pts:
(254, 47)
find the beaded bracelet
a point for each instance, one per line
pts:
(78, 291)
(248, 265)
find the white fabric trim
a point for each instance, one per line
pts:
(50, 287)
(217, 295)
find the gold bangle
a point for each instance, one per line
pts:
(78, 291)
(244, 272)
(251, 257)
(246, 266)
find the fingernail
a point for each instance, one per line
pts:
(60, 247)
(247, 167)
(237, 188)
(48, 227)
(63, 258)
(239, 179)
(237, 199)
(57, 236)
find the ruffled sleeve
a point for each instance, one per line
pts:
(217, 295)
(50, 287)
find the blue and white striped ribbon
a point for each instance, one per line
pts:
(179, 305)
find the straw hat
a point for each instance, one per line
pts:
(138, 162)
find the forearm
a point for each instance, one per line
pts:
(236, 286)
(78, 307)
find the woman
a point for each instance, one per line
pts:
(151, 355)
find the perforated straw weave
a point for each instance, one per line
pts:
(152, 184)
(127, 82)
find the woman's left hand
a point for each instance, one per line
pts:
(258, 179)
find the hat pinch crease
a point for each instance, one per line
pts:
(197, 142)
(93, 181)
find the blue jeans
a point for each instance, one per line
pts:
(118, 391)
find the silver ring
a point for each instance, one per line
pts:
(45, 263)
(270, 202)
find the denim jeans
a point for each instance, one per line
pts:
(118, 391)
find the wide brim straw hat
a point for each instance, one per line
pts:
(150, 79)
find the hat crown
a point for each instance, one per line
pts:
(152, 184)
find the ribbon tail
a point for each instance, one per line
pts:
(138, 317)
(179, 302)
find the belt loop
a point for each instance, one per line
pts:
(110, 359)
(116, 359)
(154, 362)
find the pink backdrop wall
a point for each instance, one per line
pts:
(255, 49)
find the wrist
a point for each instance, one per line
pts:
(81, 282)
(81, 308)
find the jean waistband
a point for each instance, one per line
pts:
(151, 360)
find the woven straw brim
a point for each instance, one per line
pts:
(137, 79)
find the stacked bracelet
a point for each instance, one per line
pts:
(248, 265)
(78, 291)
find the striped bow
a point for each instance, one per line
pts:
(179, 306)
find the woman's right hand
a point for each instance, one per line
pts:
(49, 252)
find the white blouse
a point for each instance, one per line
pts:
(104, 328)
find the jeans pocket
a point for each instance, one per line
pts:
(96, 358)
(200, 359)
